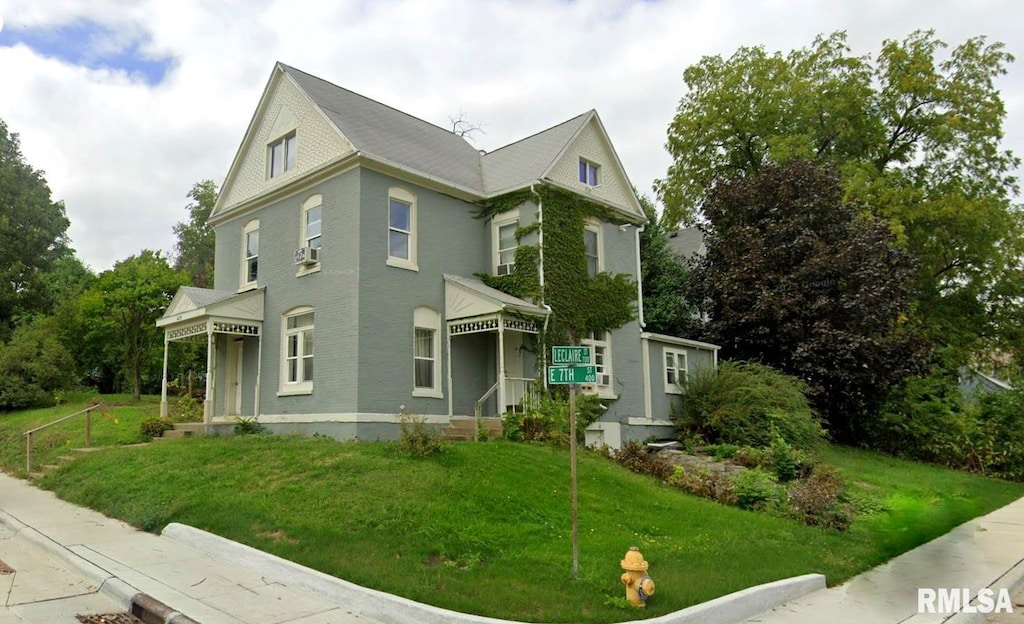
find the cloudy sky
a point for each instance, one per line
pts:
(126, 103)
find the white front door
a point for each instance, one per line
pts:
(513, 354)
(233, 396)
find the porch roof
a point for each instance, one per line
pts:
(467, 297)
(191, 303)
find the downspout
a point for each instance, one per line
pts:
(544, 355)
(540, 242)
(639, 280)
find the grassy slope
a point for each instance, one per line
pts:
(485, 527)
(116, 423)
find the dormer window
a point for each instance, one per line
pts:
(589, 172)
(281, 155)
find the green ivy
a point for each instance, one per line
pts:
(579, 303)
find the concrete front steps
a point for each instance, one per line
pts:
(45, 469)
(198, 429)
(463, 429)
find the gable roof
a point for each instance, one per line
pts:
(391, 135)
(687, 242)
(517, 164)
(479, 298)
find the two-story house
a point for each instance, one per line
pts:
(348, 244)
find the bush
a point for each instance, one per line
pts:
(715, 486)
(634, 456)
(416, 437)
(187, 409)
(154, 428)
(754, 488)
(33, 366)
(816, 500)
(784, 460)
(747, 404)
(249, 426)
(548, 420)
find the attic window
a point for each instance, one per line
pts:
(281, 154)
(588, 172)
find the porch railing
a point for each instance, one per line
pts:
(521, 393)
(479, 407)
(31, 432)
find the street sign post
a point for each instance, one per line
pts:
(572, 374)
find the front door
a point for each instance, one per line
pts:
(233, 406)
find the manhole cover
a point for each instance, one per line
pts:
(109, 618)
(5, 569)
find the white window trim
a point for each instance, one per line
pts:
(287, 388)
(428, 318)
(597, 173)
(244, 283)
(678, 355)
(402, 195)
(283, 141)
(602, 390)
(595, 226)
(311, 202)
(496, 224)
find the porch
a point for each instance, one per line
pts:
(226, 322)
(491, 341)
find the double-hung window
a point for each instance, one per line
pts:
(426, 353)
(312, 220)
(589, 172)
(297, 364)
(505, 244)
(401, 228)
(592, 247)
(600, 356)
(675, 370)
(250, 253)
(281, 156)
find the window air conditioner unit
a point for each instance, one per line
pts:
(604, 380)
(506, 269)
(305, 256)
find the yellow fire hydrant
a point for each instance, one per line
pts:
(639, 586)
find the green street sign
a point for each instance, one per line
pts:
(570, 355)
(572, 374)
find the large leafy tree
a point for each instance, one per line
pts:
(796, 277)
(120, 312)
(914, 132)
(664, 274)
(196, 243)
(33, 234)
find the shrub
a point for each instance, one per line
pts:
(548, 420)
(784, 460)
(817, 500)
(754, 488)
(187, 409)
(715, 486)
(634, 456)
(154, 427)
(721, 451)
(416, 437)
(33, 366)
(746, 404)
(249, 426)
(924, 419)
(749, 457)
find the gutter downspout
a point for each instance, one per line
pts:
(544, 355)
(639, 280)
(540, 241)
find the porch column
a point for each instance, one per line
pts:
(501, 365)
(163, 385)
(448, 342)
(208, 403)
(259, 374)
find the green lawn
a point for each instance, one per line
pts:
(116, 423)
(484, 528)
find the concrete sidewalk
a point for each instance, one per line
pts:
(213, 581)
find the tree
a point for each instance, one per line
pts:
(664, 273)
(915, 136)
(33, 233)
(121, 310)
(33, 366)
(799, 279)
(196, 243)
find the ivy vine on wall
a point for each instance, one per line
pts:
(579, 303)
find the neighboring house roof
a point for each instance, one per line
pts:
(389, 134)
(971, 380)
(520, 163)
(687, 242)
(478, 298)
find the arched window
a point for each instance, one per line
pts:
(250, 254)
(297, 351)
(426, 353)
(401, 229)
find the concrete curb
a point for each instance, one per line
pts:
(107, 584)
(391, 609)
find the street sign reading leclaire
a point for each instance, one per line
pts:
(572, 374)
(570, 355)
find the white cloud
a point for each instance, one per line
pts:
(123, 154)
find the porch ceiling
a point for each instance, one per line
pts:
(469, 297)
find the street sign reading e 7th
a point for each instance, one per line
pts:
(572, 374)
(570, 355)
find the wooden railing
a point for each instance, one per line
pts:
(31, 432)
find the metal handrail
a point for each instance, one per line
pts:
(88, 431)
(478, 408)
